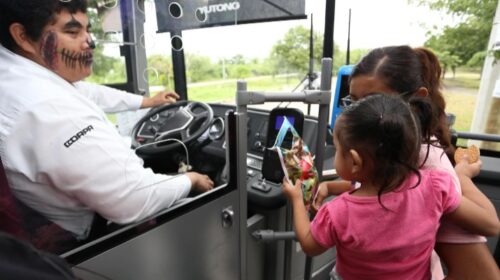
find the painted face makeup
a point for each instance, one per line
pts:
(49, 49)
(67, 47)
(76, 58)
(73, 59)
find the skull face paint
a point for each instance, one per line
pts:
(48, 49)
(75, 59)
(67, 47)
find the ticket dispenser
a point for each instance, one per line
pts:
(271, 166)
(341, 91)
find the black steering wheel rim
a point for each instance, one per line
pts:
(181, 121)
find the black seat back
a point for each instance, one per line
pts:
(10, 221)
(27, 224)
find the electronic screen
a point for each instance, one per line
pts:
(271, 166)
(280, 119)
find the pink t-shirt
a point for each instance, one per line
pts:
(375, 243)
(448, 232)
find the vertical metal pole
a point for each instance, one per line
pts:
(241, 132)
(487, 108)
(348, 54)
(287, 266)
(324, 112)
(179, 66)
(311, 62)
(326, 85)
(329, 23)
(311, 54)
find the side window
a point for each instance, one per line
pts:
(109, 65)
(159, 47)
(473, 98)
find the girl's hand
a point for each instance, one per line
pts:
(463, 167)
(321, 194)
(293, 193)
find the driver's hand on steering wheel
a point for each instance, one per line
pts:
(159, 99)
(200, 182)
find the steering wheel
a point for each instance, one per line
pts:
(184, 121)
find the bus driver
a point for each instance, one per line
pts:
(62, 156)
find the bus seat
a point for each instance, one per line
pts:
(10, 221)
(27, 224)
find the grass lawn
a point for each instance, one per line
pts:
(213, 93)
(463, 79)
(462, 106)
(460, 93)
(225, 92)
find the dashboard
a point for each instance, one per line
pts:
(261, 193)
(207, 152)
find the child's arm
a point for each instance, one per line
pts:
(301, 220)
(465, 172)
(475, 213)
(328, 188)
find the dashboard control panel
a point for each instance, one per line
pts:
(261, 193)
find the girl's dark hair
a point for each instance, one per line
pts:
(34, 15)
(384, 131)
(405, 70)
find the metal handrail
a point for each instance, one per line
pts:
(478, 136)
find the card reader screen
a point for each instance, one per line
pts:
(279, 121)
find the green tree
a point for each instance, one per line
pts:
(240, 71)
(200, 68)
(468, 37)
(259, 68)
(292, 51)
(477, 60)
(162, 66)
(340, 57)
(237, 59)
(448, 61)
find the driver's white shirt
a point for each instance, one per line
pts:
(64, 158)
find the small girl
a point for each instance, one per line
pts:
(386, 228)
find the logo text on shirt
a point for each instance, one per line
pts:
(77, 136)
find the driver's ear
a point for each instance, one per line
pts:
(24, 43)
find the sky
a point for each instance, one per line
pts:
(373, 24)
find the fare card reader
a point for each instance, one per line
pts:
(271, 166)
(341, 91)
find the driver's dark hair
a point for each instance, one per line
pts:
(34, 15)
